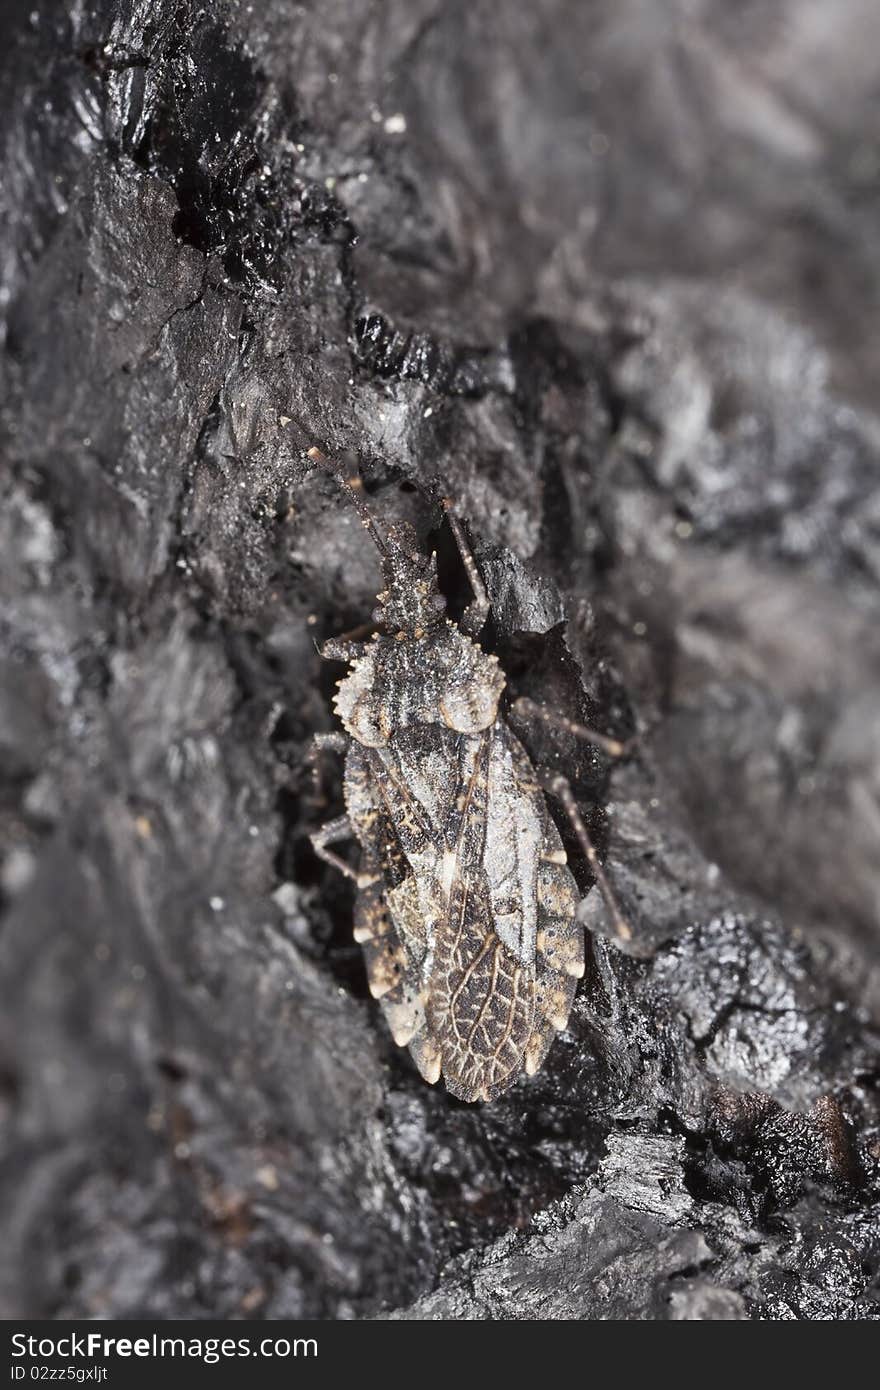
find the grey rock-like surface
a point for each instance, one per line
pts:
(589, 1253)
(606, 273)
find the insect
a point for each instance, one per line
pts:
(465, 907)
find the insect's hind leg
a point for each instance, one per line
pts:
(559, 787)
(329, 834)
(474, 617)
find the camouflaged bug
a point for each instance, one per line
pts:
(466, 909)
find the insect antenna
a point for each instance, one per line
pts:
(352, 488)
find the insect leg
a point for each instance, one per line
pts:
(558, 786)
(347, 646)
(334, 741)
(331, 833)
(612, 746)
(477, 612)
(318, 744)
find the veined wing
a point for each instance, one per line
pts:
(481, 1000)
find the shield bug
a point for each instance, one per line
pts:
(466, 908)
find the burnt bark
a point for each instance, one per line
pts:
(608, 275)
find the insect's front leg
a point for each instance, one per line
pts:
(348, 646)
(474, 617)
(319, 744)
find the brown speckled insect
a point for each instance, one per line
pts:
(466, 909)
